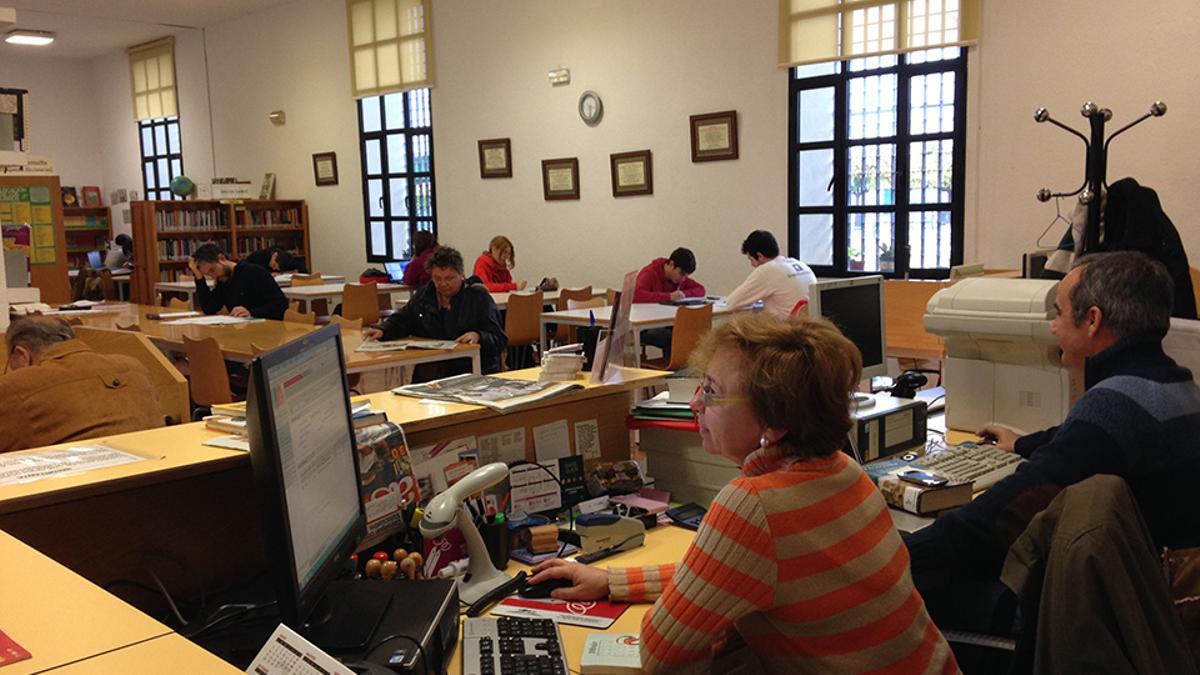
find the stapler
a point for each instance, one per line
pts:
(600, 531)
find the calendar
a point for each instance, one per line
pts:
(286, 653)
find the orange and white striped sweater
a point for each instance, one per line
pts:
(802, 560)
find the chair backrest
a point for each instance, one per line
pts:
(178, 304)
(134, 328)
(1196, 286)
(801, 308)
(354, 324)
(170, 384)
(691, 323)
(522, 319)
(299, 317)
(590, 303)
(307, 280)
(360, 301)
(210, 380)
(74, 321)
(294, 305)
(610, 296)
(107, 286)
(566, 296)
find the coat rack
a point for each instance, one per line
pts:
(1097, 161)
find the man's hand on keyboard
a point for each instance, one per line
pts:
(1000, 436)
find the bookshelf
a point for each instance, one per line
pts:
(165, 233)
(88, 228)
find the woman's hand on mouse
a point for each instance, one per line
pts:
(1000, 436)
(587, 583)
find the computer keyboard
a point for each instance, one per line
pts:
(984, 464)
(510, 645)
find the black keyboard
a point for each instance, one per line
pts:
(512, 646)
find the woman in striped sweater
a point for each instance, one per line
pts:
(797, 559)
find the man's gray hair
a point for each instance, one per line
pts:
(1133, 291)
(37, 333)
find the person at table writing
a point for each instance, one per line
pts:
(663, 280)
(448, 308)
(244, 289)
(57, 389)
(494, 266)
(796, 565)
(276, 259)
(779, 281)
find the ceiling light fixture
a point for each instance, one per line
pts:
(36, 38)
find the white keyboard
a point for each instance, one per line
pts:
(985, 465)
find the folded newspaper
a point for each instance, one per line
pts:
(397, 345)
(498, 393)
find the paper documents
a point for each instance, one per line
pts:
(214, 320)
(397, 345)
(27, 467)
(498, 393)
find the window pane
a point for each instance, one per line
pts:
(378, 238)
(164, 173)
(873, 63)
(872, 29)
(176, 168)
(370, 114)
(871, 177)
(418, 107)
(148, 170)
(816, 69)
(932, 103)
(398, 187)
(424, 196)
(816, 115)
(814, 233)
(173, 138)
(394, 107)
(869, 238)
(147, 141)
(400, 243)
(397, 154)
(160, 139)
(930, 172)
(872, 103)
(374, 160)
(374, 197)
(931, 55)
(815, 177)
(929, 239)
(420, 148)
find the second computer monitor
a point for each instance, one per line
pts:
(855, 306)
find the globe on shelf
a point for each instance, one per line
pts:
(182, 186)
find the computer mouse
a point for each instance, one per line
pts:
(542, 591)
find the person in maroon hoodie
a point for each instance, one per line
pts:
(416, 274)
(664, 280)
(493, 266)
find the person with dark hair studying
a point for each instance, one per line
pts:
(276, 259)
(245, 289)
(448, 308)
(668, 279)
(424, 243)
(779, 281)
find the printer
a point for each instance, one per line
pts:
(1002, 362)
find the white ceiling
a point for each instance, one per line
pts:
(90, 28)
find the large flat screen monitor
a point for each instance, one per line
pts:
(855, 306)
(302, 450)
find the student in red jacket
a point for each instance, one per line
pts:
(666, 279)
(416, 274)
(493, 266)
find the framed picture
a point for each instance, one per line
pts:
(69, 196)
(495, 158)
(714, 136)
(325, 168)
(560, 178)
(631, 173)
(267, 191)
(91, 196)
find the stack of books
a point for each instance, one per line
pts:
(231, 417)
(659, 408)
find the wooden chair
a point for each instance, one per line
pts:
(170, 384)
(566, 334)
(522, 323)
(299, 317)
(294, 305)
(307, 280)
(360, 301)
(1195, 286)
(610, 296)
(210, 380)
(352, 324)
(801, 308)
(134, 328)
(590, 303)
(178, 305)
(108, 287)
(691, 323)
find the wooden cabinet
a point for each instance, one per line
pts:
(165, 233)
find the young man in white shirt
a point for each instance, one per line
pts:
(779, 281)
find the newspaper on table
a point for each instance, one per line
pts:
(397, 345)
(26, 467)
(498, 393)
(214, 320)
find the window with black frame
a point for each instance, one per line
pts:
(877, 148)
(162, 156)
(396, 144)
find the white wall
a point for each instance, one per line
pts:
(63, 123)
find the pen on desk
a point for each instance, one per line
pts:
(591, 318)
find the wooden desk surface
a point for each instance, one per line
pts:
(315, 291)
(58, 616)
(664, 544)
(169, 653)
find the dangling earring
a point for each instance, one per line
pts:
(764, 442)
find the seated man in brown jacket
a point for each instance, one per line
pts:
(57, 389)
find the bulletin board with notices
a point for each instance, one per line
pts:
(30, 205)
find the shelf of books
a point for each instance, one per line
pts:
(173, 230)
(87, 229)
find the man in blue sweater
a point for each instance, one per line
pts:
(1138, 419)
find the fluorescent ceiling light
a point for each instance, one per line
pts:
(36, 38)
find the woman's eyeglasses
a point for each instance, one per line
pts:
(711, 399)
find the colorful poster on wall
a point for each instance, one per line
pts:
(31, 206)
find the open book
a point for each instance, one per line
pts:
(498, 393)
(410, 343)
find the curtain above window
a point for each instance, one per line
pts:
(152, 72)
(390, 46)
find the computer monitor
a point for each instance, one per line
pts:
(95, 260)
(302, 450)
(395, 270)
(855, 306)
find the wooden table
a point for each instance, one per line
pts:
(238, 342)
(188, 288)
(169, 653)
(643, 316)
(548, 297)
(332, 293)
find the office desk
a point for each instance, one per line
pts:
(642, 316)
(664, 544)
(238, 342)
(58, 616)
(188, 288)
(548, 297)
(169, 653)
(332, 293)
